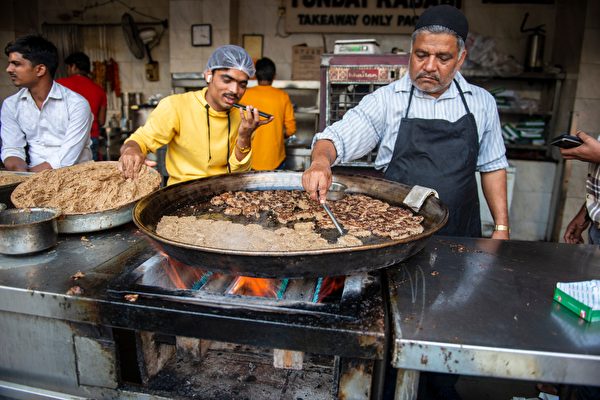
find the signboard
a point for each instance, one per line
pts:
(357, 16)
(366, 73)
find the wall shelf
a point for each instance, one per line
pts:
(539, 89)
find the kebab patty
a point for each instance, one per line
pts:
(359, 214)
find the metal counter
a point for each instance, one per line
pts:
(38, 285)
(467, 306)
(485, 307)
(65, 342)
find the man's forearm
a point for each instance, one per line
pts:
(494, 189)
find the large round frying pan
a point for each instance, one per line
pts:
(291, 264)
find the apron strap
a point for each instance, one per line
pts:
(412, 89)
(462, 96)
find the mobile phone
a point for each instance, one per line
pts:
(566, 141)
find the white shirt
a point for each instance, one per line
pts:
(376, 119)
(59, 133)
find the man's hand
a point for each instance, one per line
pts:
(250, 121)
(502, 235)
(317, 179)
(589, 151)
(41, 167)
(13, 163)
(132, 159)
(573, 233)
(576, 227)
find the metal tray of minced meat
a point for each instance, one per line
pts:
(292, 264)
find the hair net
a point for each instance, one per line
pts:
(230, 56)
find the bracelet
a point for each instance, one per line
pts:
(243, 150)
(501, 228)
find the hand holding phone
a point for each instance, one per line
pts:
(566, 141)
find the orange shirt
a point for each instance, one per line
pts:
(268, 147)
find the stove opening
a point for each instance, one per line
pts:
(125, 340)
(165, 273)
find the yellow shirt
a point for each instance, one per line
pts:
(180, 121)
(268, 147)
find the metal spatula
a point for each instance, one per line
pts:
(337, 191)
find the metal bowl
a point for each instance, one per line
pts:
(337, 191)
(28, 230)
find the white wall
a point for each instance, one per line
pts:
(261, 17)
(182, 15)
(107, 41)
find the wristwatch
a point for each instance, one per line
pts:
(501, 228)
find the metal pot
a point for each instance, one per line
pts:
(6, 190)
(28, 230)
(291, 264)
(139, 114)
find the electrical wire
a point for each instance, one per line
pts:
(79, 13)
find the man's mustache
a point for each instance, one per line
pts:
(428, 76)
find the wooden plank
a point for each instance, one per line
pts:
(288, 359)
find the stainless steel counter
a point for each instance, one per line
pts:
(467, 306)
(485, 307)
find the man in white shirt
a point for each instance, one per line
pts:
(44, 125)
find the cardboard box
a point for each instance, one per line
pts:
(585, 311)
(306, 63)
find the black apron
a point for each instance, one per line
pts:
(442, 155)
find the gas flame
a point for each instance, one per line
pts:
(181, 275)
(258, 287)
(329, 286)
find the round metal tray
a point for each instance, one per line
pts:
(98, 221)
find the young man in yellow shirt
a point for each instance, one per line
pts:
(268, 147)
(204, 136)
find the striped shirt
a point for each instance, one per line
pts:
(592, 190)
(376, 119)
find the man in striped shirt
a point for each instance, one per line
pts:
(432, 128)
(589, 214)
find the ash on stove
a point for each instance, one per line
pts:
(229, 371)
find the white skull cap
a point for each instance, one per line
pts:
(231, 56)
